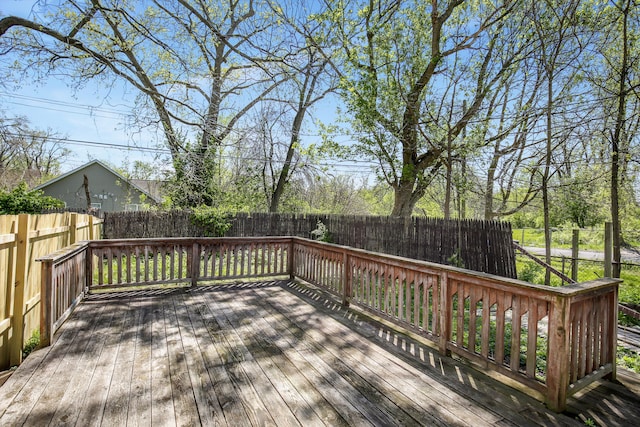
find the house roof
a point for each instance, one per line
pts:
(152, 187)
(132, 182)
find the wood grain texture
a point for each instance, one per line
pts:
(266, 353)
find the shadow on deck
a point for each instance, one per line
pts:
(267, 353)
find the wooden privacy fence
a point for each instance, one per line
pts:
(24, 238)
(474, 244)
(552, 340)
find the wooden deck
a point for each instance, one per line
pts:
(266, 353)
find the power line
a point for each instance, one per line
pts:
(96, 143)
(11, 96)
(356, 165)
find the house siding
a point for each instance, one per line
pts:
(111, 191)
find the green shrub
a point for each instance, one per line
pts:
(31, 344)
(22, 200)
(530, 272)
(214, 221)
(455, 259)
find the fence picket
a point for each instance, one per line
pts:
(480, 245)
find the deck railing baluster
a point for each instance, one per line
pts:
(574, 327)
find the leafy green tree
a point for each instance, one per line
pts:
(407, 69)
(333, 194)
(577, 200)
(198, 68)
(612, 71)
(625, 83)
(22, 200)
(28, 154)
(554, 23)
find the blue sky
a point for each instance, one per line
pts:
(92, 124)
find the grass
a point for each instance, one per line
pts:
(541, 341)
(590, 239)
(629, 359)
(629, 290)
(561, 238)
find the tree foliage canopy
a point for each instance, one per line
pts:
(471, 108)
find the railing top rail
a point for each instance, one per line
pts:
(185, 240)
(543, 291)
(516, 286)
(591, 286)
(64, 253)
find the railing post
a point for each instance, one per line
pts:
(613, 333)
(17, 339)
(195, 264)
(446, 313)
(346, 279)
(46, 305)
(89, 268)
(290, 258)
(558, 353)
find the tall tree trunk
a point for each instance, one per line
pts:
(87, 193)
(462, 190)
(618, 141)
(545, 179)
(405, 198)
(284, 174)
(488, 194)
(448, 181)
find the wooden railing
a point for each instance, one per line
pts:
(63, 287)
(553, 340)
(135, 262)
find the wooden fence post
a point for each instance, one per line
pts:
(46, 295)
(608, 249)
(575, 242)
(91, 233)
(558, 353)
(73, 228)
(17, 339)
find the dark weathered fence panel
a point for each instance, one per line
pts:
(473, 244)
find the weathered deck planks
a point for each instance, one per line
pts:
(270, 353)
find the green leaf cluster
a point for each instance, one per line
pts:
(31, 344)
(214, 221)
(22, 200)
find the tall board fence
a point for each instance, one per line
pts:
(484, 246)
(23, 239)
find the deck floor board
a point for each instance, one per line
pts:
(267, 353)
